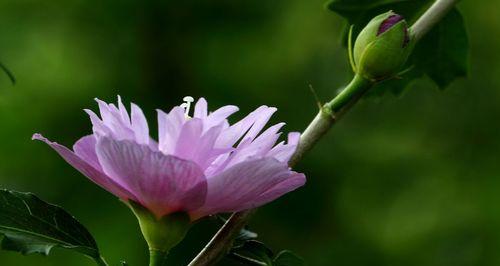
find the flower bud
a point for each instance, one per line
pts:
(382, 47)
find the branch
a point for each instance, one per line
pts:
(431, 17)
(220, 244)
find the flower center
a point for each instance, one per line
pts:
(187, 105)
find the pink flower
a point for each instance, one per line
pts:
(201, 165)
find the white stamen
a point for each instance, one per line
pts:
(187, 105)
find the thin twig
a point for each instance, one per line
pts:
(431, 17)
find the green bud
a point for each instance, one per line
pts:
(162, 233)
(382, 47)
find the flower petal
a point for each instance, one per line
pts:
(220, 115)
(200, 109)
(232, 134)
(261, 121)
(189, 138)
(249, 185)
(169, 128)
(163, 183)
(85, 149)
(283, 152)
(139, 125)
(112, 118)
(98, 127)
(87, 169)
(123, 111)
(256, 148)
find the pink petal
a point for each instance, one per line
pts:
(111, 122)
(163, 183)
(201, 108)
(283, 152)
(85, 149)
(293, 138)
(206, 152)
(115, 122)
(139, 125)
(293, 181)
(198, 146)
(234, 133)
(262, 119)
(106, 115)
(265, 141)
(189, 138)
(258, 147)
(97, 125)
(123, 111)
(112, 118)
(220, 115)
(249, 185)
(169, 128)
(86, 168)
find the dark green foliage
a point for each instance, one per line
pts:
(30, 225)
(253, 252)
(443, 53)
(247, 250)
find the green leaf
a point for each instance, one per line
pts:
(30, 225)
(442, 54)
(362, 11)
(244, 235)
(396, 85)
(253, 252)
(288, 258)
(246, 250)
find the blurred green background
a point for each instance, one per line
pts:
(413, 180)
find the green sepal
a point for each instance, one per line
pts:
(350, 49)
(161, 233)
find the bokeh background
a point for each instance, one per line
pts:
(410, 180)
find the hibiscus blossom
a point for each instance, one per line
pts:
(200, 165)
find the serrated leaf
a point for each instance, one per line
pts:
(442, 54)
(288, 258)
(30, 225)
